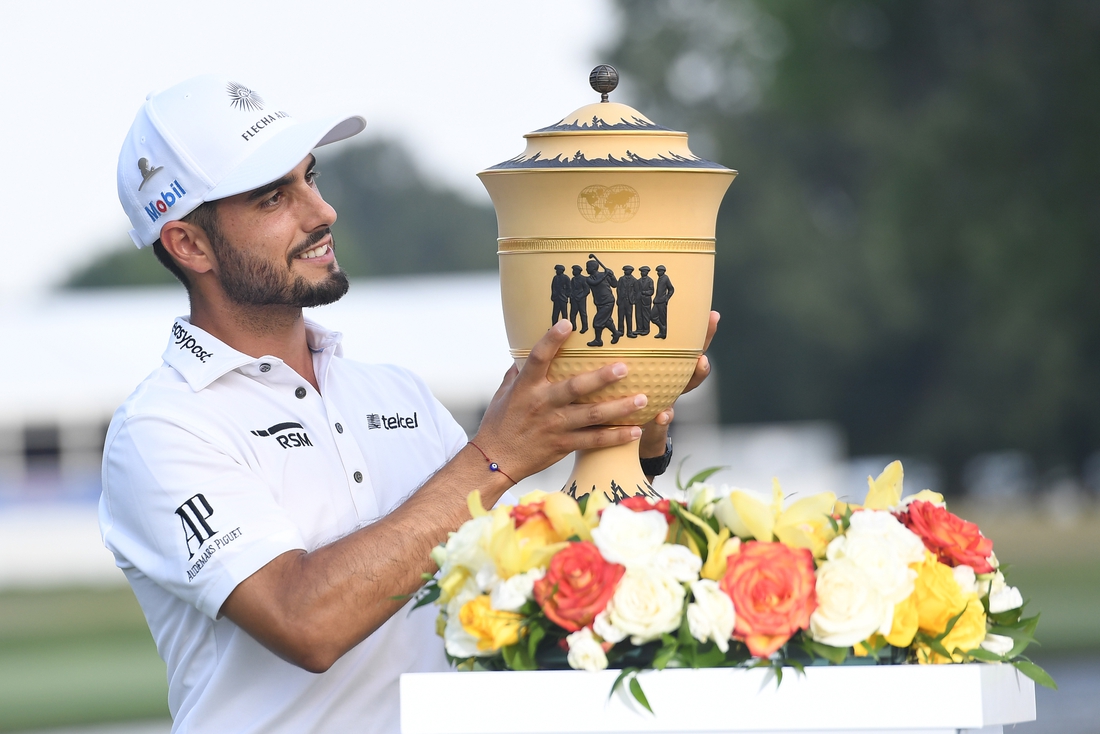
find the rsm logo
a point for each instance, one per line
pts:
(284, 436)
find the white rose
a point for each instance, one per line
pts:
(607, 631)
(849, 609)
(467, 547)
(513, 593)
(997, 644)
(966, 579)
(677, 561)
(629, 538)
(1003, 597)
(883, 548)
(646, 604)
(711, 616)
(459, 642)
(584, 652)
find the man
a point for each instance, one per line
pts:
(645, 302)
(578, 299)
(559, 294)
(267, 499)
(628, 296)
(602, 284)
(660, 302)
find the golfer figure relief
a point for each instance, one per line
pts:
(638, 302)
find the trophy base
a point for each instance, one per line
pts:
(614, 472)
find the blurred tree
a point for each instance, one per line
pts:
(391, 221)
(913, 245)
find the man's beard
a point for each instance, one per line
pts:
(249, 281)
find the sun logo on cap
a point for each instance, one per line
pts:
(243, 98)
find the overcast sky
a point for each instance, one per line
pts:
(458, 82)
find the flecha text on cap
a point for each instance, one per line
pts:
(262, 123)
(167, 200)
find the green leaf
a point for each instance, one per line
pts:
(668, 649)
(534, 637)
(979, 653)
(1037, 674)
(639, 694)
(704, 475)
(429, 595)
(835, 655)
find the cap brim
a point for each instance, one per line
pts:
(278, 156)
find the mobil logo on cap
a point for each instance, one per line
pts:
(167, 200)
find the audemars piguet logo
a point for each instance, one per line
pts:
(194, 514)
(243, 98)
(147, 171)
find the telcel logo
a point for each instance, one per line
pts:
(165, 202)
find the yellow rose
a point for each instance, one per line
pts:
(967, 634)
(937, 595)
(493, 629)
(906, 621)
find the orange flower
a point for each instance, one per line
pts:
(772, 589)
(577, 586)
(955, 541)
(639, 503)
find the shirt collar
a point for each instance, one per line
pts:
(202, 358)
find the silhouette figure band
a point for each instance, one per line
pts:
(639, 303)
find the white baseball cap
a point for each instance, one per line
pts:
(208, 138)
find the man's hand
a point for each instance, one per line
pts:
(655, 433)
(532, 422)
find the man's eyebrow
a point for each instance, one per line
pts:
(289, 178)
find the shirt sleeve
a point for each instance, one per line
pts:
(186, 513)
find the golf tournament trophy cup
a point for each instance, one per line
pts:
(607, 219)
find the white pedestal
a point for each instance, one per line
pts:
(915, 699)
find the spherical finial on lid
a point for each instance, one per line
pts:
(604, 79)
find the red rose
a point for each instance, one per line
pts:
(772, 589)
(577, 585)
(640, 503)
(955, 541)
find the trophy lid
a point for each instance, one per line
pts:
(606, 134)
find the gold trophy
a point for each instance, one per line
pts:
(607, 219)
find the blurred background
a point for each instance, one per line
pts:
(908, 265)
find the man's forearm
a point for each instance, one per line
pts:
(311, 608)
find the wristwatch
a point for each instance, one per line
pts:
(655, 466)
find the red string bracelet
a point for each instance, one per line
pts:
(493, 466)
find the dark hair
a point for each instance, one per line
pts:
(205, 217)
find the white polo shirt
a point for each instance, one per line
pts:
(219, 462)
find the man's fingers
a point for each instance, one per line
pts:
(545, 349)
(575, 388)
(604, 436)
(712, 327)
(702, 369)
(596, 414)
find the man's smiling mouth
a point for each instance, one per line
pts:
(318, 251)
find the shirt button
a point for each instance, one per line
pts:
(339, 428)
(358, 477)
(300, 393)
(265, 367)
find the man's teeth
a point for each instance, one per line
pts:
(315, 252)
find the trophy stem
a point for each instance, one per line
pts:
(615, 472)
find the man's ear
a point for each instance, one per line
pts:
(189, 246)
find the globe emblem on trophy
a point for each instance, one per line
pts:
(617, 203)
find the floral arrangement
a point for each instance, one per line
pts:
(725, 578)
